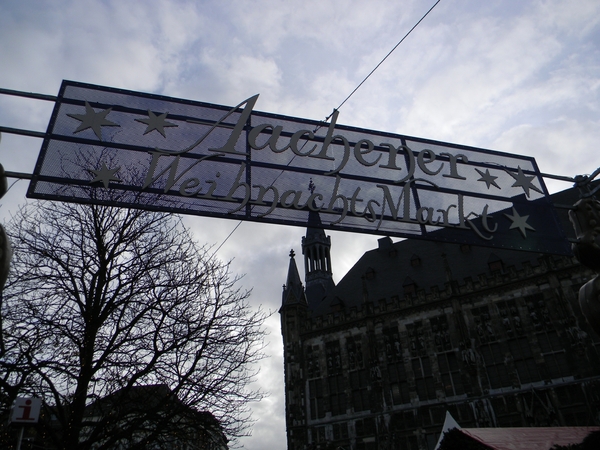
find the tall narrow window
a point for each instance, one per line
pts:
(400, 392)
(316, 398)
(554, 353)
(450, 374)
(495, 360)
(332, 355)
(424, 378)
(359, 384)
(524, 361)
(337, 395)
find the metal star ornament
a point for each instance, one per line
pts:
(157, 123)
(105, 175)
(524, 181)
(488, 178)
(94, 120)
(519, 222)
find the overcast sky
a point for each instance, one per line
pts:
(509, 75)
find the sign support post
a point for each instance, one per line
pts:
(20, 438)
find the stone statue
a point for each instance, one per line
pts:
(585, 218)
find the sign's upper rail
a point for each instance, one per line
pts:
(51, 98)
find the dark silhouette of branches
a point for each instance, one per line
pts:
(104, 300)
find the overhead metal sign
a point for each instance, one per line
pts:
(131, 149)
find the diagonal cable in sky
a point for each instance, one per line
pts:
(382, 61)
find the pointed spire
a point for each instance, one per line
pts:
(314, 230)
(315, 226)
(293, 278)
(293, 290)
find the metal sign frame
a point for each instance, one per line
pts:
(124, 148)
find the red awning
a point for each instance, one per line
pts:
(541, 438)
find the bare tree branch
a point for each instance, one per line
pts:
(103, 300)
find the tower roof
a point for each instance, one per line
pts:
(317, 262)
(293, 290)
(314, 226)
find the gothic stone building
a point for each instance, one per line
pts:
(417, 328)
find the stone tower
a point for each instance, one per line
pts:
(316, 248)
(293, 312)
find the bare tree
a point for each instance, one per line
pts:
(104, 300)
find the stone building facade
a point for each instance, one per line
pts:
(418, 328)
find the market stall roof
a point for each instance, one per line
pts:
(539, 438)
(518, 438)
